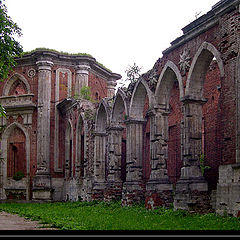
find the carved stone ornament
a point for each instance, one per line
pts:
(31, 73)
(185, 61)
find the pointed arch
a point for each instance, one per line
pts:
(13, 82)
(140, 92)
(120, 107)
(4, 154)
(102, 116)
(199, 67)
(169, 75)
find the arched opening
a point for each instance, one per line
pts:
(168, 94)
(204, 111)
(101, 122)
(119, 115)
(139, 129)
(16, 161)
(80, 148)
(100, 158)
(69, 151)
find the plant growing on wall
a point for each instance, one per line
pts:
(85, 93)
(202, 164)
(18, 176)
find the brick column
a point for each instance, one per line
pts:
(133, 187)
(42, 180)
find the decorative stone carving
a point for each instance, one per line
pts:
(185, 61)
(31, 73)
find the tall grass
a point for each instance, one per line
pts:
(111, 216)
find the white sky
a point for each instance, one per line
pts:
(118, 33)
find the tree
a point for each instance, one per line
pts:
(133, 74)
(9, 47)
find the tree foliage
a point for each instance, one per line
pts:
(133, 73)
(9, 47)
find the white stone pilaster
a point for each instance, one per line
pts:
(43, 119)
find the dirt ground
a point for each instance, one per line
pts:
(14, 222)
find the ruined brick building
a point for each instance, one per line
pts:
(173, 137)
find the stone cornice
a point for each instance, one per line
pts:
(203, 23)
(67, 60)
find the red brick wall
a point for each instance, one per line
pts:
(174, 162)
(98, 87)
(218, 113)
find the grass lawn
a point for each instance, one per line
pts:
(111, 216)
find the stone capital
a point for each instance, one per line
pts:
(188, 99)
(82, 69)
(44, 65)
(135, 121)
(112, 82)
(116, 128)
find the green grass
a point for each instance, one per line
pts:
(111, 216)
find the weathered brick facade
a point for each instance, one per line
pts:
(170, 138)
(48, 132)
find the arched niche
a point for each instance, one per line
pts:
(16, 85)
(15, 150)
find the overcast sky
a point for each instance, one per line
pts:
(118, 33)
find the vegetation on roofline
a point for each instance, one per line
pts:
(65, 53)
(58, 52)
